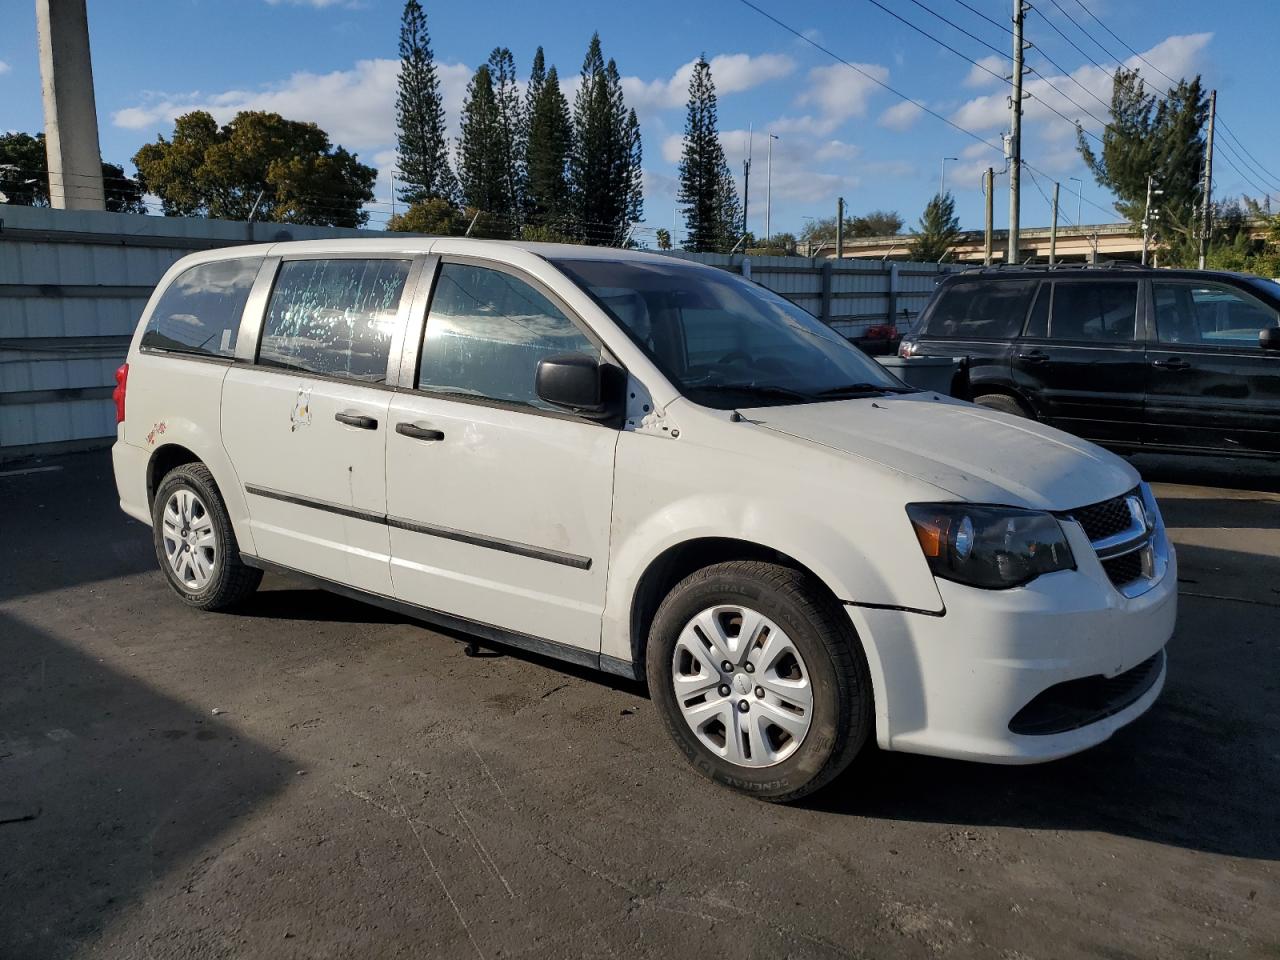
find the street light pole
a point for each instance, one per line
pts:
(768, 191)
(1079, 197)
(942, 183)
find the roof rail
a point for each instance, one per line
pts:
(1007, 267)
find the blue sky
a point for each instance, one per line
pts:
(333, 61)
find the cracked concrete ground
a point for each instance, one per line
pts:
(312, 777)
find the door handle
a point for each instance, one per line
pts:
(419, 433)
(1173, 363)
(1034, 356)
(357, 420)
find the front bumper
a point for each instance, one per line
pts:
(951, 685)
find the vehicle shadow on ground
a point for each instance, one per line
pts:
(106, 786)
(1197, 771)
(275, 602)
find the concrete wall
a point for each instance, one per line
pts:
(73, 284)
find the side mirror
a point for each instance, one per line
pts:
(1269, 338)
(572, 381)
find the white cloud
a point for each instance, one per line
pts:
(837, 151)
(839, 92)
(355, 107)
(901, 116)
(4, 68)
(1177, 56)
(732, 73)
(672, 147)
(980, 74)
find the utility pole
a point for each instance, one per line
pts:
(746, 182)
(768, 190)
(1020, 8)
(1206, 216)
(1148, 216)
(1053, 230)
(988, 187)
(839, 228)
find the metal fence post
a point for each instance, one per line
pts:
(893, 292)
(827, 267)
(746, 266)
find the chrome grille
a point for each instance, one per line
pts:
(1105, 519)
(1120, 532)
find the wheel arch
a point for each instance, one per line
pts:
(681, 559)
(1005, 390)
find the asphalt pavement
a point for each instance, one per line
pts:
(314, 777)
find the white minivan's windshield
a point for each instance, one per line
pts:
(726, 342)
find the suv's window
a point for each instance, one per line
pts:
(1101, 310)
(1208, 313)
(200, 311)
(334, 317)
(486, 332)
(981, 309)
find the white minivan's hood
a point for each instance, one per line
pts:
(971, 452)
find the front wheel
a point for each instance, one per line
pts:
(759, 679)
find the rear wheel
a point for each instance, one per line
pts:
(195, 543)
(1003, 403)
(759, 679)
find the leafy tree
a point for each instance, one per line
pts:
(939, 230)
(423, 152)
(604, 175)
(482, 164)
(24, 176)
(435, 216)
(549, 143)
(708, 194)
(1150, 137)
(779, 245)
(207, 170)
(877, 223)
(664, 238)
(512, 129)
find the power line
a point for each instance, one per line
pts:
(1081, 5)
(1257, 165)
(956, 26)
(876, 80)
(1003, 79)
(979, 13)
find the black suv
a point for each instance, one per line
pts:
(1130, 357)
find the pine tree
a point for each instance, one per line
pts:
(708, 194)
(549, 143)
(604, 173)
(512, 130)
(635, 170)
(1149, 137)
(423, 152)
(939, 230)
(481, 166)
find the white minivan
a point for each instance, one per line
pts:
(655, 468)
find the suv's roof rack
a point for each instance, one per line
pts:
(1007, 267)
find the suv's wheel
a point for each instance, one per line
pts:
(1003, 403)
(195, 543)
(759, 678)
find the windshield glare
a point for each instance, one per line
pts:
(726, 342)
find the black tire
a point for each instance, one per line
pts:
(232, 581)
(1004, 404)
(842, 717)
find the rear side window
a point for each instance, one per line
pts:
(486, 332)
(1104, 310)
(200, 311)
(981, 309)
(334, 317)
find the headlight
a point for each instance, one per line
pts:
(990, 547)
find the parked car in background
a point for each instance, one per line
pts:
(1135, 358)
(654, 468)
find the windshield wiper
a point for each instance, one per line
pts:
(862, 390)
(755, 389)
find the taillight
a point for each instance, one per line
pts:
(122, 382)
